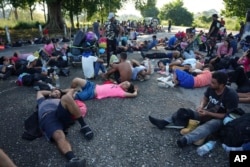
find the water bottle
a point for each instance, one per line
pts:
(205, 148)
(167, 69)
(44, 67)
(57, 81)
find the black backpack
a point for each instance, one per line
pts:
(31, 126)
(236, 132)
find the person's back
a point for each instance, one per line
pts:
(125, 71)
(215, 26)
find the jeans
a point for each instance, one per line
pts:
(97, 67)
(204, 130)
(189, 54)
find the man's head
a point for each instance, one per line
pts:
(161, 65)
(123, 56)
(31, 59)
(111, 16)
(56, 94)
(219, 80)
(215, 16)
(127, 86)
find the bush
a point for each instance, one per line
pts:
(25, 25)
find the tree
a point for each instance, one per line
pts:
(32, 7)
(236, 8)
(16, 4)
(177, 13)
(3, 4)
(147, 9)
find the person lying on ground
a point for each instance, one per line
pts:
(6, 67)
(90, 90)
(122, 71)
(186, 64)
(187, 79)
(5, 161)
(140, 72)
(217, 102)
(55, 111)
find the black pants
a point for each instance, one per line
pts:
(111, 47)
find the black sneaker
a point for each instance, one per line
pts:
(75, 162)
(87, 132)
(182, 142)
(160, 123)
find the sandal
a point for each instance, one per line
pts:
(87, 132)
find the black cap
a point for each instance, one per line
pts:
(215, 15)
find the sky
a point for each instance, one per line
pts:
(193, 6)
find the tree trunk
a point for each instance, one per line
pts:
(3, 11)
(55, 20)
(31, 14)
(16, 14)
(71, 16)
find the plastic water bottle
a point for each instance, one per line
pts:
(205, 148)
(167, 69)
(57, 81)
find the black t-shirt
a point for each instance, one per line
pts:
(216, 24)
(227, 101)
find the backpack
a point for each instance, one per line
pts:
(236, 132)
(31, 126)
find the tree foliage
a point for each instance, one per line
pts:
(177, 13)
(236, 8)
(147, 9)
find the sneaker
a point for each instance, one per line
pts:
(170, 84)
(87, 132)
(160, 123)
(182, 142)
(172, 126)
(75, 162)
(164, 79)
(160, 79)
(163, 85)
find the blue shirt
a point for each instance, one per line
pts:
(171, 41)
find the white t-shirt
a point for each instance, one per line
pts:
(191, 61)
(88, 66)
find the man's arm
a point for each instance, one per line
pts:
(42, 93)
(5, 161)
(203, 103)
(212, 114)
(134, 94)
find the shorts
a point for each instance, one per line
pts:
(87, 92)
(137, 70)
(55, 120)
(185, 80)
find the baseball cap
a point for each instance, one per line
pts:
(111, 15)
(31, 58)
(215, 15)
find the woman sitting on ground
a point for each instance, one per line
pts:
(245, 61)
(224, 53)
